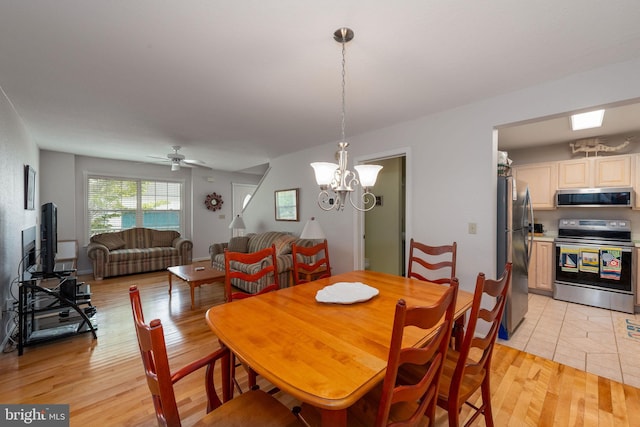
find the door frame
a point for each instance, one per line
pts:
(358, 216)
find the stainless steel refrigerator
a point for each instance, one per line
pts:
(515, 217)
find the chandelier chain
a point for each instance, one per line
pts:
(337, 183)
(344, 42)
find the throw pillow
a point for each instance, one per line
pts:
(239, 244)
(112, 241)
(162, 239)
(283, 244)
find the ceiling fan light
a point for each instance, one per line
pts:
(175, 166)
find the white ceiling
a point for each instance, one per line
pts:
(238, 82)
(622, 121)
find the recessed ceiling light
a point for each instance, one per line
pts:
(592, 119)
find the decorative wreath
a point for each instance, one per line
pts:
(213, 201)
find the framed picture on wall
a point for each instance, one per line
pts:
(29, 187)
(287, 205)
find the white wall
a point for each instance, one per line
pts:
(17, 149)
(452, 167)
(56, 179)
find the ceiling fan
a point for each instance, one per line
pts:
(177, 160)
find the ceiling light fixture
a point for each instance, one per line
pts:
(335, 180)
(592, 119)
(175, 165)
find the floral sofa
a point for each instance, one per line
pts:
(256, 242)
(137, 250)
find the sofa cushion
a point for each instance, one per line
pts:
(283, 244)
(239, 244)
(162, 239)
(112, 241)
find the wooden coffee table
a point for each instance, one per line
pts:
(195, 275)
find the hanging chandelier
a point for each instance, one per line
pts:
(337, 183)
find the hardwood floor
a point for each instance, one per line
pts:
(103, 382)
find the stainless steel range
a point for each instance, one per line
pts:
(595, 263)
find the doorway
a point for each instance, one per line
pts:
(385, 225)
(241, 194)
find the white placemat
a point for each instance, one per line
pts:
(346, 293)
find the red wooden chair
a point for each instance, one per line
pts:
(468, 369)
(252, 408)
(267, 258)
(432, 263)
(425, 259)
(404, 402)
(312, 262)
(267, 261)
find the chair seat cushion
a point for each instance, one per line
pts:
(135, 254)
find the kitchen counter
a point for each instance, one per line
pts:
(544, 237)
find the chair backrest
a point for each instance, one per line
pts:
(481, 346)
(438, 261)
(266, 259)
(311, 259)
(425, 390)
(156, 366)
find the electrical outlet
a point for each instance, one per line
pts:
(473, 228)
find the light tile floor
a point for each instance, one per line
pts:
(587, 338)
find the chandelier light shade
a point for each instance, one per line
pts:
(312, 230)
(337, 183)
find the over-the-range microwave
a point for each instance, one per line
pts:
(621, 197)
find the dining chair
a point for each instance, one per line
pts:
(265, 262)
(311, 262)
(468, 369)
(255, 407)
(402, 402)
(432, 263)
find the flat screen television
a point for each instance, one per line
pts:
(48, 236)
(28, 262)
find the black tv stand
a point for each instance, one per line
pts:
(47, 314)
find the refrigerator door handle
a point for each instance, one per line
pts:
(528, 205)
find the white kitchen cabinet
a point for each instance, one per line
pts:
(544, 265)
(637, 279)
(541, 267)
(636, 184)
(532, 267)
(542, 180)
(613, 171)
(575, 173)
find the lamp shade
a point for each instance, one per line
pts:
(324, 172)
(175, 166)
(237, 223)
(312, 230)
(368, 174)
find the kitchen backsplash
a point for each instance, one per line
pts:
(549, 218)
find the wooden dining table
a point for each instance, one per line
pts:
(324, 354)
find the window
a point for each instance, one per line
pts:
(115, 204)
